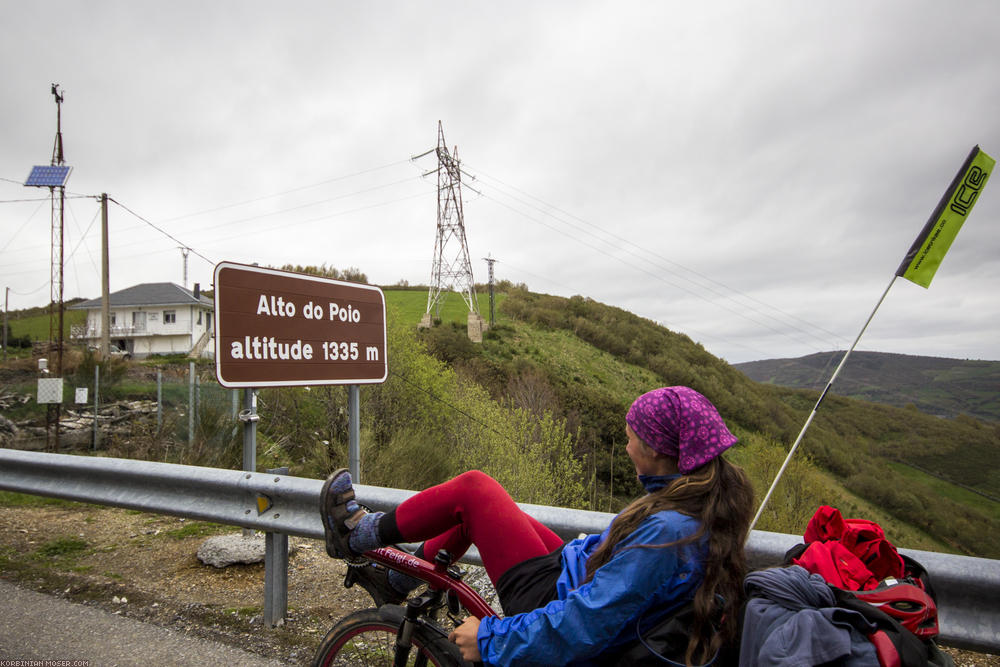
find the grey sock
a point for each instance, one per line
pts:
(365, 535)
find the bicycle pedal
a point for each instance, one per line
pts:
(454, 606)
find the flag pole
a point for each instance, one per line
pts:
(812, 414)
(919, 264)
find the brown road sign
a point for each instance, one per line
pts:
(277, 328)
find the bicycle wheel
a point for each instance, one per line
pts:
(368, 638)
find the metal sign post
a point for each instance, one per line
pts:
(249, 417)
(354, 426)
(283, 329)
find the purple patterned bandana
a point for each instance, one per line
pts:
(678, 421)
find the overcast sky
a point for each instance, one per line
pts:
(747, 173)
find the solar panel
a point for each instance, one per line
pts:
(46, 176)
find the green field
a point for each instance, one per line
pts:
(412, 304)
(949, 490)
(36, 327)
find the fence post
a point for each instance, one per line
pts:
(97, 380)
(159, 400)
(191, 403)
(275, 571)
(197, 399)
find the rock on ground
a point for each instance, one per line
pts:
(225, 550)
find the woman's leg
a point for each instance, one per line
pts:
(472, 508)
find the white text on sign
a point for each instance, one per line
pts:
(277, 307)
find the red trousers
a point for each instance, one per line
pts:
(474, 508)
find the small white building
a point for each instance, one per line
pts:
(152, 318)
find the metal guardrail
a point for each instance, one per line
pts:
(968, 589)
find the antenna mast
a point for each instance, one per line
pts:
(184, 252)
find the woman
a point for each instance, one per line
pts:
(572, 602)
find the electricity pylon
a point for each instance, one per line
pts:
(452, 269)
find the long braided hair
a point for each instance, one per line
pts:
(720, 495)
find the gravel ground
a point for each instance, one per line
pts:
(144, 567)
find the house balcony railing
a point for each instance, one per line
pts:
(83, 332)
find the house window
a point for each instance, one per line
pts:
(199, 317)
(169, 316)
(113, 319)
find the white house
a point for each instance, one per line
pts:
(152, 318)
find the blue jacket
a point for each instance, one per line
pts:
(587, 619)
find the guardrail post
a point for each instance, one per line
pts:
(275, 572)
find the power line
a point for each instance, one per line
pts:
(162, 231)
(648, 272)
(641, 249)
(25, 223)
(285, 192)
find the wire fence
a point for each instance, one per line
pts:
(179, 411)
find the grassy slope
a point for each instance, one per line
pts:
(37, 326)
(849, 439)
(412, 304)
(585, 367)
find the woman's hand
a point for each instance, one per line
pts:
(464, 636)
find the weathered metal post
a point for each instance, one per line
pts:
(249, 417)
(354, 444)
(275, 571)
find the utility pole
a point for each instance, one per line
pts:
(105, 282)
(490, 262)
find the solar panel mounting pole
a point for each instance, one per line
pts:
(54, 176)
(57, 160)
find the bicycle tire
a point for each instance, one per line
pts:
(368, 639)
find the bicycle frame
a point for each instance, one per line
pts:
(436, 575)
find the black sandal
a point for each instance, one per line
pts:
(333, 507)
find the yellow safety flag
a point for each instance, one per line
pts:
(925, 255)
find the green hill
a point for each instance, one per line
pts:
(945, 387)
(540, 404)
(586, 361)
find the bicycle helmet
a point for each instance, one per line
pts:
(906, 602)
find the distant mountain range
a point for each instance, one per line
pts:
(934, 385)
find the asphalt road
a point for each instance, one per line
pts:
(39, 627)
